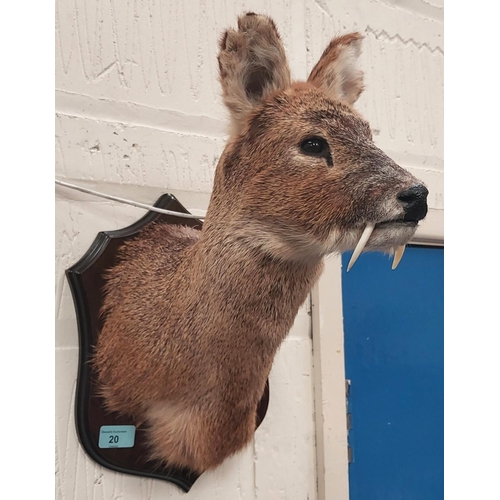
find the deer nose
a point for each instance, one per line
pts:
(414, 201)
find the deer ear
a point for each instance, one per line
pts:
(252, 65)
(336, 72)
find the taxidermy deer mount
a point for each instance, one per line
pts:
(193, 319)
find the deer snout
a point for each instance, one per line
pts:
(414, 201)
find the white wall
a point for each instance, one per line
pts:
(138, 113)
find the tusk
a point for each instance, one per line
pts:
(398, 254)
(361, 244)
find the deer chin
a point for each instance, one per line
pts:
(283, 243)
(387, 236)
(390, 234)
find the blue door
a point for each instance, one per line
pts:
(393, 331)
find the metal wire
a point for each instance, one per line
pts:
(127, 202)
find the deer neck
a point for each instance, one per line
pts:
(249, 289)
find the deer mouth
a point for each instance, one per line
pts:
(370, 227)
(395, 222)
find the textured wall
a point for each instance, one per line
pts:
(138, 113)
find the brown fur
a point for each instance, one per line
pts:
(193, 319)
(335, 72)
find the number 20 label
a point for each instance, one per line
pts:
(117, 436)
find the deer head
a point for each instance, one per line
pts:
(301, 168)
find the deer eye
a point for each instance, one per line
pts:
(314, 146)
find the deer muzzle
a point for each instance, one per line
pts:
(414, 202)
